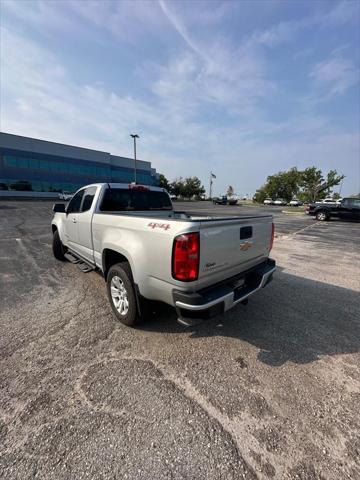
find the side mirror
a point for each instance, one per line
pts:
(59, 207)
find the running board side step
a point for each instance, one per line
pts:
(69, 256)
(82, 265)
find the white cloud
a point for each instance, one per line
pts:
(179, 26)
(342, 13)
(124, 20)
(347, 11)
(277, 34)
(337, 74)
(213, 70)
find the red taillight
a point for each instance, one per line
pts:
(272, 237)
(185, 259)
(139, 188)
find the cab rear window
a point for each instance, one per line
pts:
(121, 200)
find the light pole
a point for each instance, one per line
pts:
(134, 136)
(211, 182)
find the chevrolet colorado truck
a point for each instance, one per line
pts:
(347, 209)
(146, 251)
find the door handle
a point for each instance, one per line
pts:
(74, 220)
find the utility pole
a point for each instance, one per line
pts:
(134, 136)
(211, 182)
(341, 184)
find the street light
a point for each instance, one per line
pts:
(211, 182)
(134, 136)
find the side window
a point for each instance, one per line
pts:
(356, 203)
(88, 199)
(75, 202)
(346, 202)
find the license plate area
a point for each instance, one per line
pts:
(238, 284)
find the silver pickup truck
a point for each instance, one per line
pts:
(146, 251)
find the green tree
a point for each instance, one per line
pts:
(314, 186)
(280, 185)
(192, 187)
(177, 187)
(260, 194)
(164, 183)
(308, 185)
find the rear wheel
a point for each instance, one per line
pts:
(121, 293)
(322, 216)
(58, 247)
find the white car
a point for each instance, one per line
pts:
(295, 203)
(279, 201)
(268, 201)
(328, 200)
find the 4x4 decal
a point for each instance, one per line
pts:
(153, 225)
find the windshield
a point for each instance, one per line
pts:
(121, 199)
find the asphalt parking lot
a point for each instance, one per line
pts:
(267, 390)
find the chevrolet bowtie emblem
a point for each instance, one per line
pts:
(245, 246)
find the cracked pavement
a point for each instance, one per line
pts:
(267, 390)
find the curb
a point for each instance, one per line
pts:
(292, 213)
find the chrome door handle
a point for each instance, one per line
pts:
(74, 220)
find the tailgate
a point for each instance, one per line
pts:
(230, 246)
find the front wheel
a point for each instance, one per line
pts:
(322, 216)
(121, 293)
(58, 247)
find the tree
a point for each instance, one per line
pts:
(177, 187)
(260, 194)
(192, 187)
(230, 191)
(164, 183)
(280, 185)
(314, 186)
(308, 185)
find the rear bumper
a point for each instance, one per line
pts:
(219, 298)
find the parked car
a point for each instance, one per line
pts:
(329, 200)
(232, 200)
(268, 201)
(348, 209)
(203, 266)
(220, 200)
(295, 203)
(65, 195)
(279, 201)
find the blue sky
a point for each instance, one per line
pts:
(244, 88)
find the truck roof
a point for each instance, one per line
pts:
(127, 186)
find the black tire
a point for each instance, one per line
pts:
(322, 216)
(57, 247)
(131, 316)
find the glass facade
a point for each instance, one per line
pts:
(39, 172)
